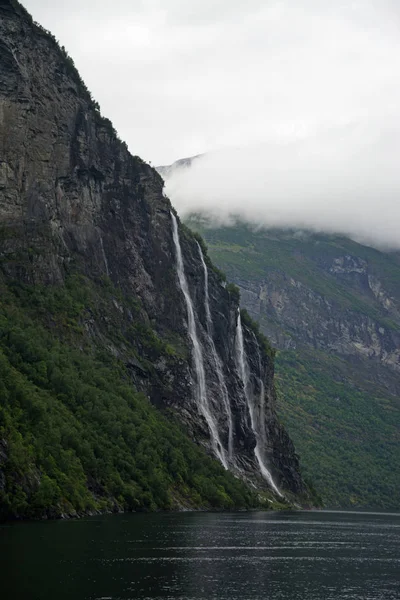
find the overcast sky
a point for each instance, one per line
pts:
(297, 85)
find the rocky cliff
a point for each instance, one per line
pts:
(308, 317)
(74, 201)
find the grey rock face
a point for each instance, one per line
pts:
(70, 190)
(293, 314)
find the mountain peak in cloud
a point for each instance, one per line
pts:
(342, 180)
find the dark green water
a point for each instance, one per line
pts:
(242, 556)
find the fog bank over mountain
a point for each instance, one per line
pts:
(344, 180)
(178, 78)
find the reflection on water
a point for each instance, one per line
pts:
(205, 556)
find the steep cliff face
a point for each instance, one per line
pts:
(74, 201)
(308, 317)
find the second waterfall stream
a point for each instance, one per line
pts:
(217, 361)
(256, 413)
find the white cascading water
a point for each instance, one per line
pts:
(197, 350)
(216, 358)
(257, 427)
(261, 407)
(104, 255)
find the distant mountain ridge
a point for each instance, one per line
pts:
(182, 163)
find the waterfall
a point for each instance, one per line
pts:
(260, 418)
(201, 391)
(257, 425)
(216, 358)
(104, 255)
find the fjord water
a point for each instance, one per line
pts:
(204, 556)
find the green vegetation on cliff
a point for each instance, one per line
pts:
(74, 434)
(244, 252)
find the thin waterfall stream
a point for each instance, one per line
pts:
(216, 358)
(260, 414)
(201, 388)
(257, 427)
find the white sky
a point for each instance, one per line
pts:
(182, 77)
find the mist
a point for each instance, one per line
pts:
(344, 180)
(294, 104)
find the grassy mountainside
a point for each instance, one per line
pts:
(74, 434)
(331, 306)
(251, 254)
(347, 433)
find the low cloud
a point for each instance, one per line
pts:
(306, 91)
(342, 180)
(179, 78)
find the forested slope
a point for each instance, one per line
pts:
(75, 436)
